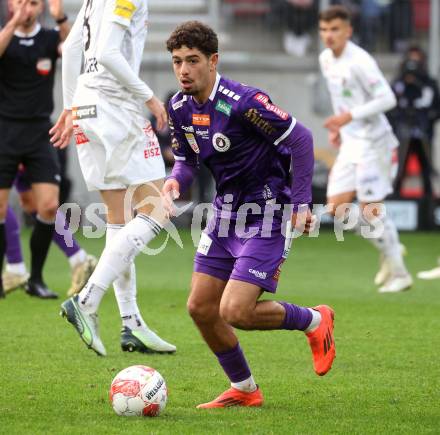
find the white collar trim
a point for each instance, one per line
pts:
(37, 28)
(214, 89)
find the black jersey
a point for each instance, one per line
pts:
(27, 70)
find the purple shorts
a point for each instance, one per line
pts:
(226, 254)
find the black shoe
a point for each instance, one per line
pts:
(39, 290)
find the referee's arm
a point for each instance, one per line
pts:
(7, 32)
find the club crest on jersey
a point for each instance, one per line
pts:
(201, 119)
(221, 142)
(264, 100)
(192, 142)
(44, 66)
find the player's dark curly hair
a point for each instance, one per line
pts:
(194, 34)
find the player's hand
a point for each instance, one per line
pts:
(21, 14)
(157, 108)
(56, 9)
(303, 222)
(170, 192)
(62, 131)
(335, 122)
(334, 138)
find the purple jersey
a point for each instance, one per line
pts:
(246, 141)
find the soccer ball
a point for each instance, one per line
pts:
(138, 390)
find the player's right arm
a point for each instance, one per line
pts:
(6, 34)
(186, 162)
(62, 131)
(116, 20)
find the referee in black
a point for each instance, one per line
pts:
(28, 55)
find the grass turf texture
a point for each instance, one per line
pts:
(385, 379)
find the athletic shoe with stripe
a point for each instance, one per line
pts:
(85, 324)
(234, 397)
(322, 342)
(144, 341)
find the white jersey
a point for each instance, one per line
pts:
(90, 24)
(357, 86)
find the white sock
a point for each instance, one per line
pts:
(77, 258)
(17, 268)
(125, 289)
(248, 385)
(316, 320)
(90, 297)
(125, 246)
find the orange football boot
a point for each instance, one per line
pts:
(234, 397)
(322, 342)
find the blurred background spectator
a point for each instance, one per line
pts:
(301, 18)
(418, 108)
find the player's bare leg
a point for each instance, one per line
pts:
(217, 306)
(4, 195)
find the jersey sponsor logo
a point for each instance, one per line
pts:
(254, 117)
(175, 144)
(91, 65)
(152, 147)
(192, 142)
(202, 119)
(84, 112)
(188, 129)
(80, 137)
(204, 134)
(27, 42)
(221, 142)
(44, 66)
(258, 274)
(179, 104)
(264, 100)
(224, 107)
(124, 9)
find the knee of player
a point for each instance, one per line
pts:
(48, 208)
(3, 210)
(237, 316)
(201, 312)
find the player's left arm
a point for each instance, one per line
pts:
(380, 97)
(289, 136)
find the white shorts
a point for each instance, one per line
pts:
(117, 147)
(371, 178)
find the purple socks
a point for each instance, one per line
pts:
(296, 317)
(234, 364)
(12, 228)
(59, 239)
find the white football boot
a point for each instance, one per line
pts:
(384, 272)
(396, 284)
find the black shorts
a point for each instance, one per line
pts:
(27, 142)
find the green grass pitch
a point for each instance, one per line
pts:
(385, 379)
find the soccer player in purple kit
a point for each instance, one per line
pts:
(250, 145)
